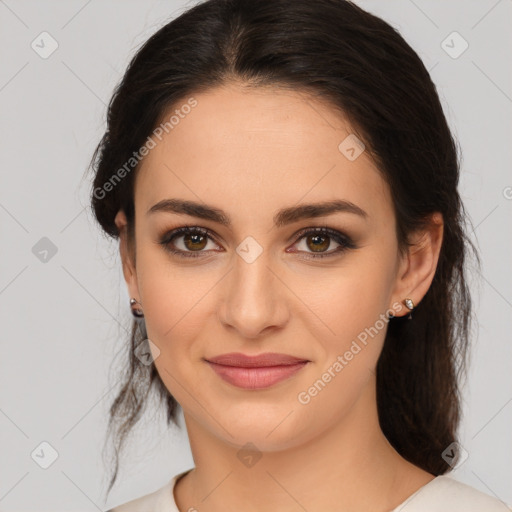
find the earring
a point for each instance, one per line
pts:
(136, 312)
(409, 304)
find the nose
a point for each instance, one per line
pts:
(254, 298)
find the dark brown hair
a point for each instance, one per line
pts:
(337, 52)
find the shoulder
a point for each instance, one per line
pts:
(161, 500)
(150, 501)
(444, 493)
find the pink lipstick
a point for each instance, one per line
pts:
(255, 372)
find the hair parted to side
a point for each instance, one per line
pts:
(337, 52)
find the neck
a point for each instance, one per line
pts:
(350, 466)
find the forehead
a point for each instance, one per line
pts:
(264, 148)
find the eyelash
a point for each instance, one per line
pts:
(344, 241)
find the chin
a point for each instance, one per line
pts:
(268, 432)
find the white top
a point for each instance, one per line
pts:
(442, 494)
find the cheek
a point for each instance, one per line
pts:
(354, 309)
(345, 302)
(175, 305)
(337, 309)
(177, 301)
(175, 322)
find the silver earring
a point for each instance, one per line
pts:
(409, 304)
(136, 311)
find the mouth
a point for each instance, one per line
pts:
(255, 372)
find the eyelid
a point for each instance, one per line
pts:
(339, 237)
(172, 233)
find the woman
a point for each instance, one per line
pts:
(283, 184)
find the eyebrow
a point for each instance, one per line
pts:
(283, 217)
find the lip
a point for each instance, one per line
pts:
(255, 372)
(261, 360)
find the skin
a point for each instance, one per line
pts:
(251, 153)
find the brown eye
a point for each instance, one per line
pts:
(318, 243)
(188, 241)
(319, 240)
(194, 242)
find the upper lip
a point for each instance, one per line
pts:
(245, 361)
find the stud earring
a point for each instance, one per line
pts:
(409, 304)
(136, 311)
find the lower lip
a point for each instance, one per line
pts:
(255, 378)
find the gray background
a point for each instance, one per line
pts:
(64, 319)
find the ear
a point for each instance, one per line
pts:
(127, 255)
(418, 266)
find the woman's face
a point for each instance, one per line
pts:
(254, 284)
